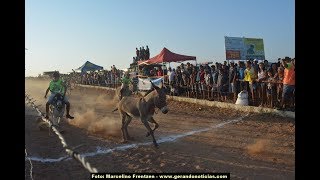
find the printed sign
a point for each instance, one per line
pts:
(244, 48)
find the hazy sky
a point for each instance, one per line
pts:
(63, 34)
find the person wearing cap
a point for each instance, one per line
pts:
(57, 86)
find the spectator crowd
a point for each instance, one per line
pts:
(142, 54)
(268, 84)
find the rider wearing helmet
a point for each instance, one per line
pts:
(57, 86)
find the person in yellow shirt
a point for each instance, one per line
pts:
(250, 76)
(57, 86)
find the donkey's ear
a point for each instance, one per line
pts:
(154, 86)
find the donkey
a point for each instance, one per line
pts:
(143, 108)
(57, 109)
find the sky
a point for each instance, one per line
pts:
(63, 34)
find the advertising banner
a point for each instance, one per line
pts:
(238, 48)
(254, 48)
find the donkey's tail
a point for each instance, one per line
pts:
(115, 110)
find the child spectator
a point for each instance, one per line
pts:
(270, 88)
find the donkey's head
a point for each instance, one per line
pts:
(160, 99)
(58, 101)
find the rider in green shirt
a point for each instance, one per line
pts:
(125, 80)
(57, 86)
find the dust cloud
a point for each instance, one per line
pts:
(258, 146)
(103, 126)
(37, 89)
(91, 108)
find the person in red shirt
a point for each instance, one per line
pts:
(160, 72)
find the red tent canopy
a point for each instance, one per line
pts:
(166, 56)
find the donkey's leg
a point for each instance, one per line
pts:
(129, 118)
(123, 118)
(155, 127)
(146, 124)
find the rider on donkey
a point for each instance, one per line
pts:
(125, 84)
(57, 86)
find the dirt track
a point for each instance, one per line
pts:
(257, 146)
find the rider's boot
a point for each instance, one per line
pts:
(68, 110)
(47, 110)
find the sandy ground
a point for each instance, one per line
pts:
(191, 138)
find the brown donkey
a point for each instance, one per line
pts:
(143, 108)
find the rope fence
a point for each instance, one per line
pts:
(31, 166)
(68, 150)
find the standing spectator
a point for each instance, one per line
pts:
(140, 54)
(280, 85)
(178, 76)
(250, 77)
(262, 76)
(145, 71)
(208, 82)
(137, 54)
(241, 70)
(255, 65)
(274, 70)
(266, 64)
(222, 83)
(147, 52)
(232, 80)
(202, 83)
(182, 67)
(185, 83)
(193, 81)
(159, 72)
(171, 75)
(152, 72)
(270, 89)
(214, 75)
(143, 52)
(288, 82)
(226, 65)
(189, 68)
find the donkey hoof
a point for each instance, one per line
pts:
(148, 134)
(156, 144)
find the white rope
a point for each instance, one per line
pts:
(69, 151)
(31, 166)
